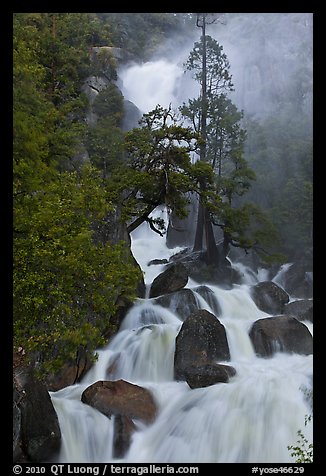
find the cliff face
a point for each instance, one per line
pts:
(107, 62)
(271, 59)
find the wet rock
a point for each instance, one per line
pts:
(37, 435)
(302, 309)
(207, 375)
(202, 271)
(280, 334)
(121, 398)
(206, 293)
(70, 372)
(298, 280)
(201, 340)
(182, 302)
(174, 278)
(124, 428)
(269, 297)
(157, 262)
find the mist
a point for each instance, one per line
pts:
(271, 63)
(270, 57)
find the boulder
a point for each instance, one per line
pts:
(201, 271)
(36, 436)
(201, 340)
(298, 280)
(121, 398)
(124, 427)
(198, 376)
(182, 302)
(174, 278)
(302, 309)
(269, 297)
(280, 334)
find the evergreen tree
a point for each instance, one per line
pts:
(158, 170)
(66, 281)
(218, 121)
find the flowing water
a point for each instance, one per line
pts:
(250, 419)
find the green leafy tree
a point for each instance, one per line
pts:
(66, 281)
(66, 284)
(218, 121)
(158, 170)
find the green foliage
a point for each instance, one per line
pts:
(139, 33)
(109, 102)
(303, 450)
(65, 285)
(66, 281)
(104, 143)
(218, 76)
(158, 169)
(243, 224)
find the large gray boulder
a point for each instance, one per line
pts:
(280, 334)
(298, 280)
(302, 309)
(174, 278)
(269, 297)
(201, 340)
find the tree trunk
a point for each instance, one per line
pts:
(212, 253)
(198, 245)
(226, 245)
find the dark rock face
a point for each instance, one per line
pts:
(280, 334)
(132, 114)
(124, 427)
(37, 435)
(121, 398)
(269, 297)
(174, 278)
(302, 309)
(201, 340)
(182, 302)
(209, 374)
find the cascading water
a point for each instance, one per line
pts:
(251, 419)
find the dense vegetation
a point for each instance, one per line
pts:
(66, 283)
(74, 178)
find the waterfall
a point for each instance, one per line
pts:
(251, 419)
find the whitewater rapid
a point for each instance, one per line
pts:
(251, 419)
